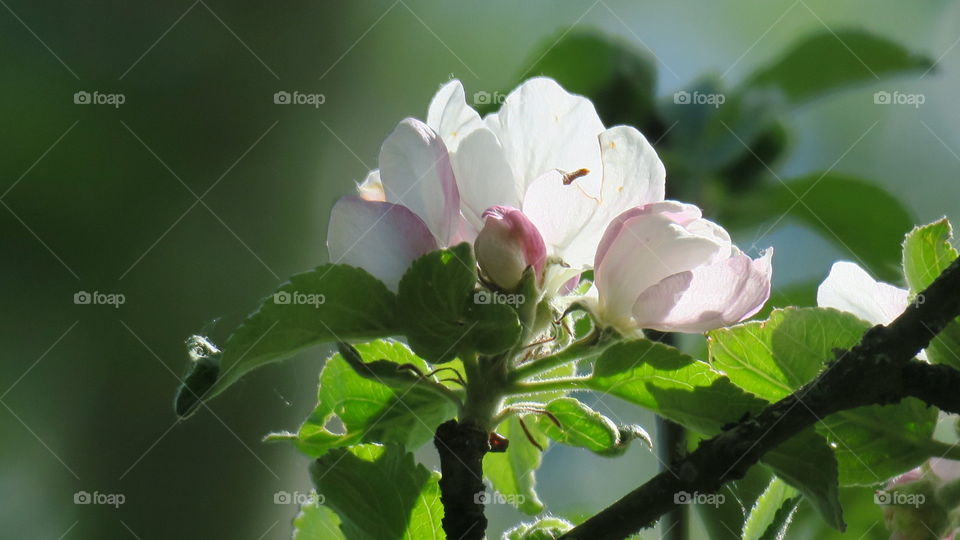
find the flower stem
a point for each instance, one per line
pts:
(588, 347)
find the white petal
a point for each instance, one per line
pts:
(415, 171)
(450, 116)
(849, 288)
(633, 174)
(543, 127)
(484, 177)
(380, 237)
(560, 212)
(707, 297)
(645, 249)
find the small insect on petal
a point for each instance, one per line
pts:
(569, 177)
(498, 443)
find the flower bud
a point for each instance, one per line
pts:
(507, 245)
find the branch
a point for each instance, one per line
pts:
(461, 447)
(880, 370)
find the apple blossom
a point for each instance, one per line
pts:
(661, 266)
(545, 153)
(507, 245)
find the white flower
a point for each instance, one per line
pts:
(545, 153)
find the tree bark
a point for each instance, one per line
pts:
(461, 447)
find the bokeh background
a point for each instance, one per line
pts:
(199, 194)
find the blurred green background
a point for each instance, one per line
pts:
(102, 198)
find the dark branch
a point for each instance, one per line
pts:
(880, 370)
(461, 447)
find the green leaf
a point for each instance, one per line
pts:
(548, 528)
(584, 427)
(802, 294)
(692, 393)
(807, 463)
(860, 218)
(316, 522)
(368, 410)
(380, 493)
(772, 512)
(671, 384)
(331, 303)
(772, 359)
(830, 60)
(619, 79)
(442, 317)
(927, 252)
(512, 472)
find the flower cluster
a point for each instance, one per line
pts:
(543, 184)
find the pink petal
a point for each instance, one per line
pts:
(380, 237)
(707, 297)
(415, 171)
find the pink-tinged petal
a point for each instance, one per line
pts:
(644, 248)
(508, 244)
(543, 127)
(450, 116)
(416, 173)
(380, 237)
(850, 288)
(371, 189)
(909, 477)
(680, 213)
(484, 177)
(707, 297)
(947, 470)
(560, 211)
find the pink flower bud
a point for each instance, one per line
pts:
(507, 245)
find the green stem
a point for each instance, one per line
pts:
(587, 347)
(548, 385)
